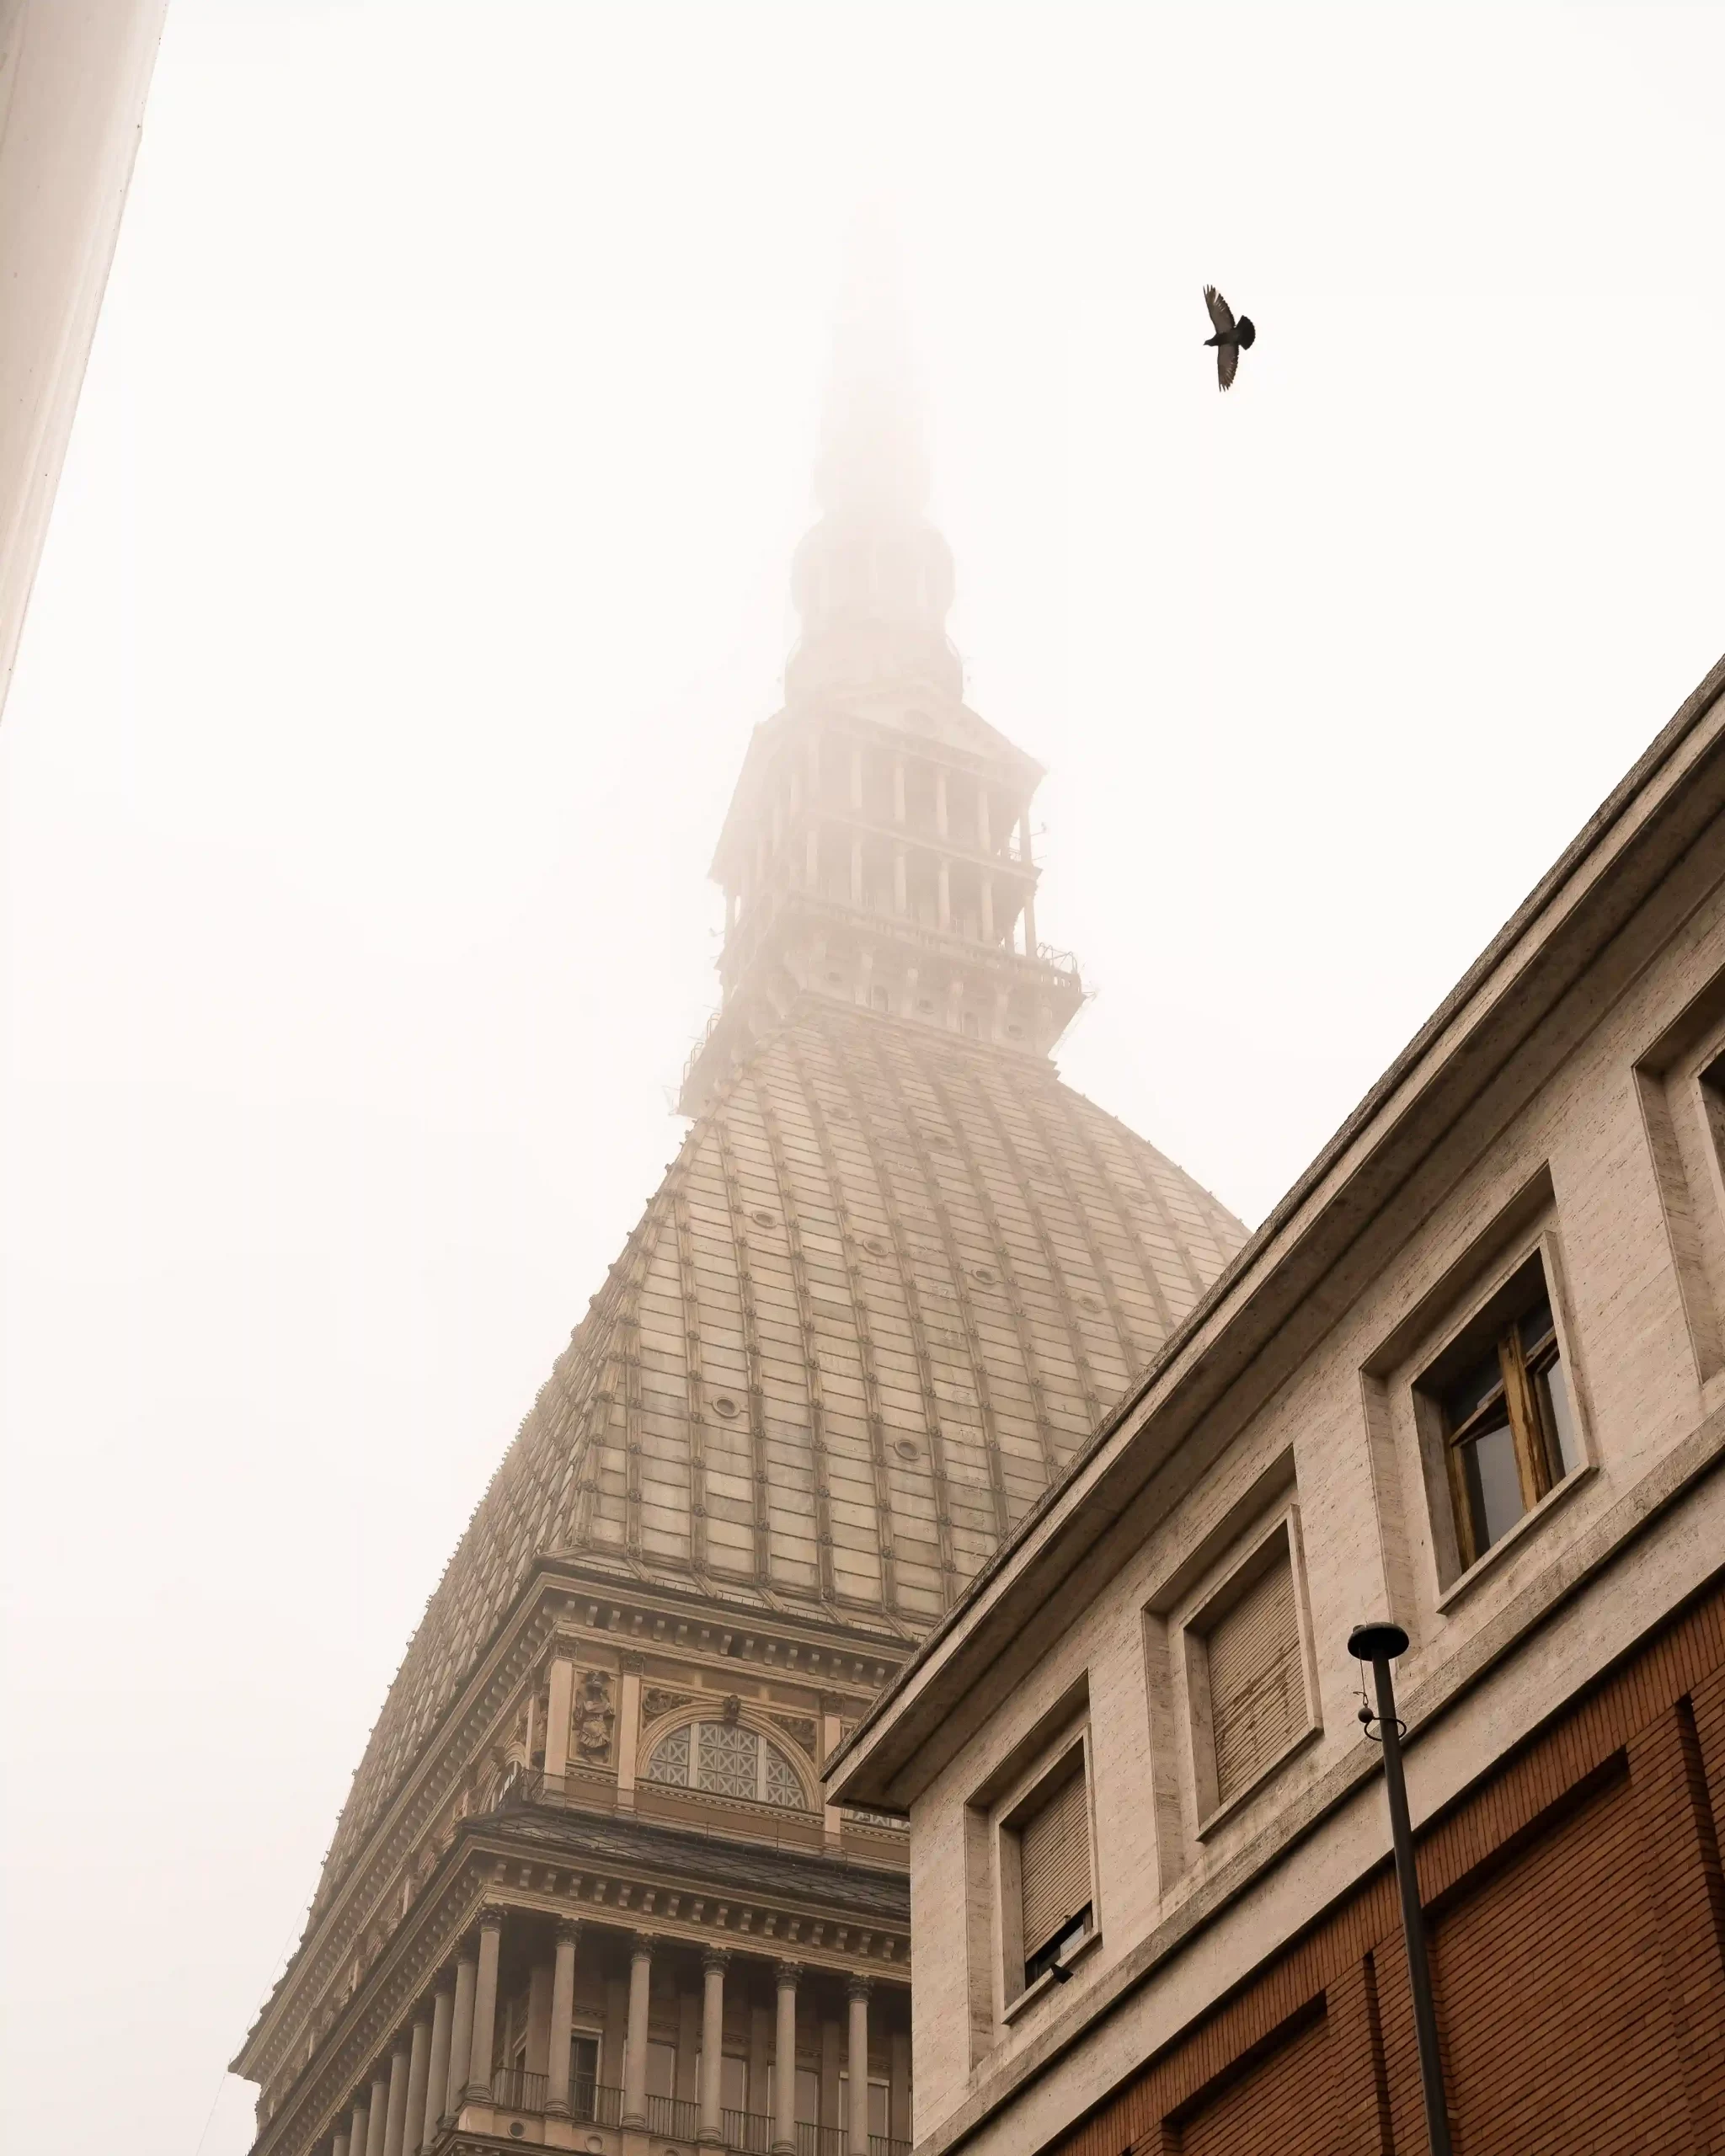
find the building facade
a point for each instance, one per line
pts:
(587, 1892)
(1468, 1377)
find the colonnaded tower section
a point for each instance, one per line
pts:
(585, 1892)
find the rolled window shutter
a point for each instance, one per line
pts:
(1053, 1864)
(1256, 1682)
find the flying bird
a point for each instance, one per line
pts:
(1231, 338)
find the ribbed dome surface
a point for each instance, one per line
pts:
(891, 1282)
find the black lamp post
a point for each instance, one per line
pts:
(1379, 1645)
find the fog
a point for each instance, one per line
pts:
(419, 571)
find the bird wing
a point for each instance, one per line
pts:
(1221, 314)
(1227, 362)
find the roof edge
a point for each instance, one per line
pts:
(1253, 1268)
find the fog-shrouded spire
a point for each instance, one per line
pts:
(873, 580)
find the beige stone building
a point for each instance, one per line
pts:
(586, 1891)
(1469, 1378)
(73, 81)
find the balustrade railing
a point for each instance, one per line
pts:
(592, 2104)
(747, 2132)
(513, 2089)
(672, 2117)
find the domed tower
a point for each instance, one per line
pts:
(585, 1892)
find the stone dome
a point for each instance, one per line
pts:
(889, 1286)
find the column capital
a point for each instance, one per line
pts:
(569, 1930)
(716, 1957)
(641, 1945)
(490, 1918)
(858, 1985)
(787, 1975)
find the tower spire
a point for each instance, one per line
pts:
(877, 851)
(872, 580)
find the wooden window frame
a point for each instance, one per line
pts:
(1538, 1463)
(1531, 1273)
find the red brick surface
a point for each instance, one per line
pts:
(1577, 1911)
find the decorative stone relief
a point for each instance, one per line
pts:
(594, 1718)
(798, 1728)
(655, 1700)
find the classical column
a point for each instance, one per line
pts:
(559, 1697)
(856, 2134)
(395, 2117)
(412, 2132)
(356, 2125)
(987, 882)
(478, 2088)
(562, 2014)
(946, 896)
(1030, 925)
(985, 844)
(902, 898)
(635, 2061)
(941, 821)
(339, 2145)
(377, 2115)
(628, 1730)
(713, 1968)
(856, 871)
(460, 2032)
(437, 2076)
(784, 2061)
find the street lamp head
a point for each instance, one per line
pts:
(1377, 1642)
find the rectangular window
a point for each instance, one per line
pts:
(584, 2076)
(1258, 1703)
(1508, 1425)
(1053, 1873)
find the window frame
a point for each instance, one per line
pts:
(1488, 1320)
(1027, 1795)
(1221, 1590)
(652, 1738)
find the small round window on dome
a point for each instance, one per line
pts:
(761, 1218)
(906, 1449)
(982, 1273)
(724, 1405)
(874, 1247)
(1088, 1303)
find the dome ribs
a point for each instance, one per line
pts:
(789, 1209)
(1052, 1448)
(847, 1404)
(928, 1177)
(925, 1067)
(1029, 1100)
(753, 1389)
(857, 1293)
(1110, 1181)
(694, 1391)
(953, 1574)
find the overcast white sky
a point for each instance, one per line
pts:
(419, 571)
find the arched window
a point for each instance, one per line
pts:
(728, 1760)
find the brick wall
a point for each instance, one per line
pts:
(1577, 1923)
